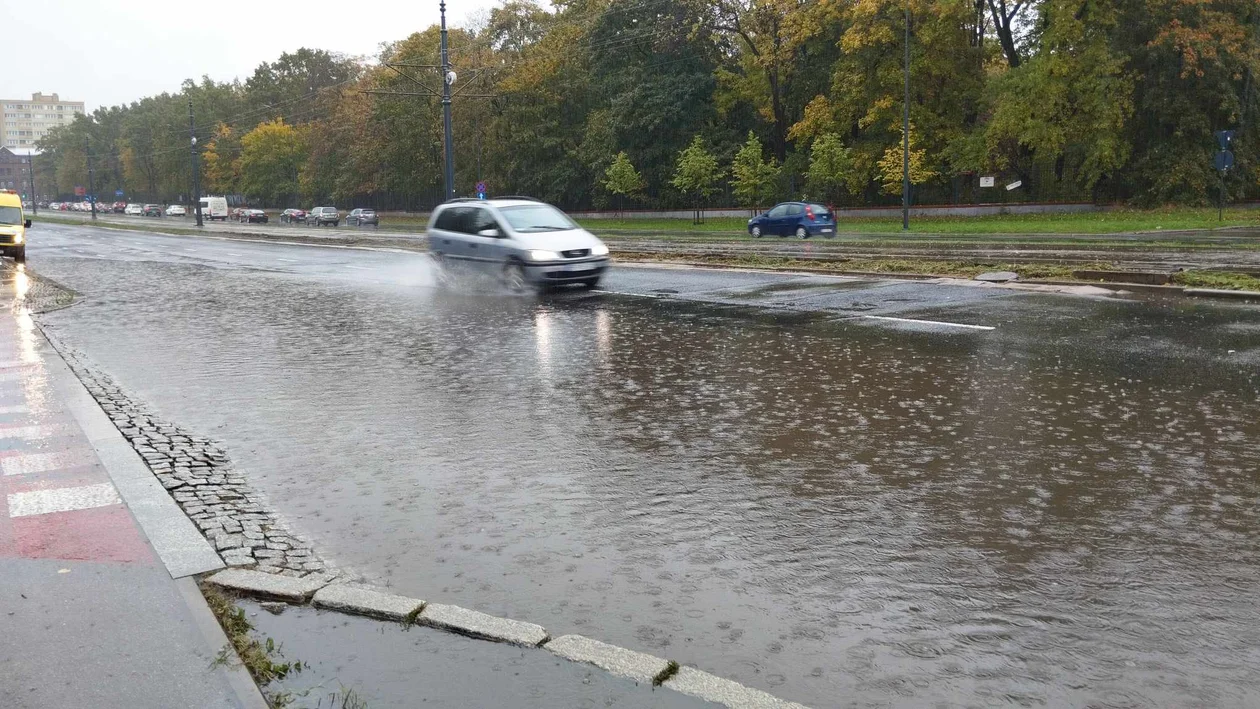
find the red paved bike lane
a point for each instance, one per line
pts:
(56, 500)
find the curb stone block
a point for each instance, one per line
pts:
(259, 584)
(480, 625)
(712, 688)
(619, 661)
(365, 600)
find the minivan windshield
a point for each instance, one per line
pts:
(10, 215)
(536, 217)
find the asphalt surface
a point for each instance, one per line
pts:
(837, 490)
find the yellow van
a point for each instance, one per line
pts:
(13, 226)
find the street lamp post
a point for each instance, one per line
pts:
(30, 171)
(196, 173)
(87, 146)
(905, 135)
(448, 78)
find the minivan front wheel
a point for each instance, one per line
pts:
(756, 232)
(514, 277)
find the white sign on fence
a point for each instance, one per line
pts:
(986, 181)
(1014, 184)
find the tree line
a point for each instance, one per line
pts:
(667, 103)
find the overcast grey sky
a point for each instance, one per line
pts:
(106, 53)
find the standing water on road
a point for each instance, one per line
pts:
(1060, 512)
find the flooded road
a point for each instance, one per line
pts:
(740, 471)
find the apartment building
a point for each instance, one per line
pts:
(23, 122)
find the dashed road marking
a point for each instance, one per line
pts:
(928, 322)
(24, 432)
(66, 499)
(15, 409)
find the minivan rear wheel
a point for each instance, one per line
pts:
(801, 233)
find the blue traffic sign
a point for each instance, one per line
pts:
(118, 193)
(1224, 160)
(481, 195)
(1224, 137)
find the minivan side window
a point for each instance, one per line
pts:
(448, 220)
(778, 211)
(794, 210)
(480, 220)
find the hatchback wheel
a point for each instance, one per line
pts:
(801, 233)
(756, 232)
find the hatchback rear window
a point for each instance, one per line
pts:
(819, 210)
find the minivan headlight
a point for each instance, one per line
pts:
(541, 255)
(599, 250)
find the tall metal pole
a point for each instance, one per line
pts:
(446, 109)
(196, 174)
(30, 170)
(905, 135)
(87, 146)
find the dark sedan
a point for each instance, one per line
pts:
(799, 219)
(359, 217)
(253, 216)
(293, 216)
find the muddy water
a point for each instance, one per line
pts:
(1060, 512)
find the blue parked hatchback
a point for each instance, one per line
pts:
(799, 219)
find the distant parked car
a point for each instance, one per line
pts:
(176, 210)
(253, 216)
(235, 214)
(152, 210)
(119, 207)
(134, 210)
(293, 216)
(359, 217)
(799, 219)
(55, 206)
(323, 216)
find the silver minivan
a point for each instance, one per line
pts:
(525, 241)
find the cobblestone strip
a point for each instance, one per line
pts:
(200, 477)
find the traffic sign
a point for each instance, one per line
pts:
(481, 195)
(1224, 160)
(481, 188)
(986, 181)
(1224, 137)
(1014, 185)
(118, 193)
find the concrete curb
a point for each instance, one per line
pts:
(270, 586)
(479, 625)
(356, 599)
(637, 666)
(1223, 293)
(368, 601)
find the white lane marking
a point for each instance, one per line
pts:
(928, 322)
(359, 268)
(66, 499)
(36, 463)
(24, 432)
(15, 409)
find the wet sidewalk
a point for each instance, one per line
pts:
(90, 614)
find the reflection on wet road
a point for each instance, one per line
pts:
(739, 473)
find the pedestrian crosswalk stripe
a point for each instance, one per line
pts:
(66, 499)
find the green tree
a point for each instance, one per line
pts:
(622, 179)
(272, 156)
(754, 179)
(891, 167)
(832, 170)
(697, 174)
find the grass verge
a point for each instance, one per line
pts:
(262, 658)
(957, 269)
(1217, 279)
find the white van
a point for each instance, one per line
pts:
(214, 208)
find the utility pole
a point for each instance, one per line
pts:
(87, 146)
(30, 170)
(196, 174)
(905, 135)
(448, 78)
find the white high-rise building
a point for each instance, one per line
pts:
(23, 122)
